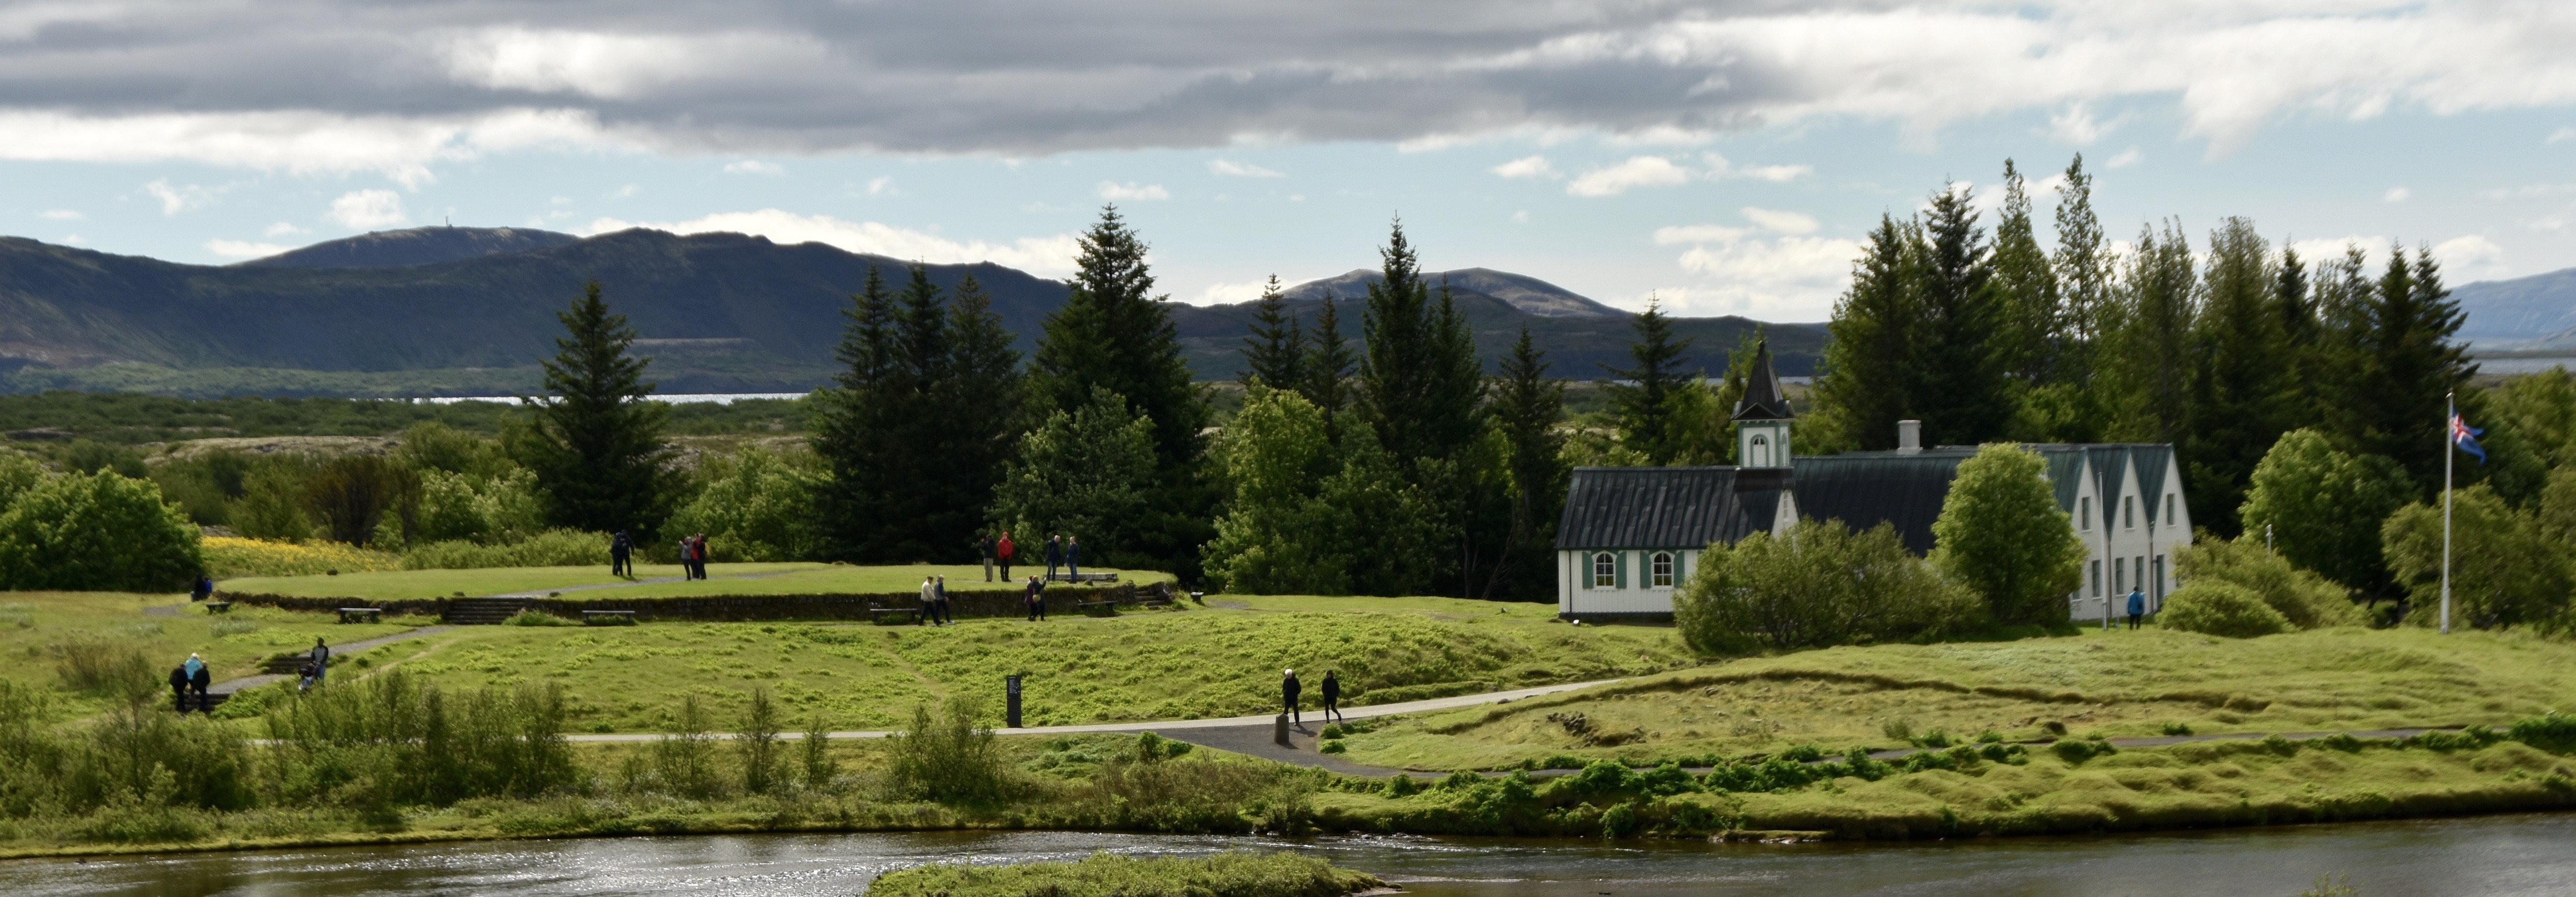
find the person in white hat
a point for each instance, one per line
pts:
(1288, 690)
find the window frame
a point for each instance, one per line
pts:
(1605, 570)
(2084, 513)
(1660, 568)
(2129, 512)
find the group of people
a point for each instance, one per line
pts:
(1061, 552)
(1289, 690)
(693, 555)
(193, 678)
(934, 602)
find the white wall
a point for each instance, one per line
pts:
(1577, 597)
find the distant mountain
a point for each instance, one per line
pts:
(416, 246)
(2536, 312)
(718, 312)
(1529, 294)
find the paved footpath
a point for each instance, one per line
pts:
(229, 686)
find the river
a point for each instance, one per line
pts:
(2493, 855)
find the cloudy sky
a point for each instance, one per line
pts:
(1720, 155)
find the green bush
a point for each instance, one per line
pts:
(535, 617)
(486, 510)
(1817, 584)
(551, 548)
(97, 532)
(2222, 609)
(757, 506)
(2505, 569)
(2306, 600)
(949, 757)
(2555, 733)
(2001, 534)
(1230, 874)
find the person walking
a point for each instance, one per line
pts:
(688, 558)
(1288, 689)
(984, 549)
(1054, 555)
(929, 604)
(2137, 607)
(939, 590)
(179, 689)
(1072, 559)
(200, 679)
(701, 555)
(1037, 600)
(1332, 698)
(321, 662)
(1002, 554)
(621, 553)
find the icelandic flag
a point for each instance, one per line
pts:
(2466, 437)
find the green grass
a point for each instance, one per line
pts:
(2110, 684)
(723, 579)
(1160, 664)
(1231, 874)
(37, 628)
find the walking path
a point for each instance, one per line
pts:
(544, 593)
(229, 686)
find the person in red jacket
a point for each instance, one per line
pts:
(1002, 554)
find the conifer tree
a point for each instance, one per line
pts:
(2240, 392)
(1964, 396)
(2072, 408)
(918, 423)
(1113, 332)
(980, 401)
(1276, 351)
(595, 444)
(1644, 403)
(1419, 371)
(1527, 405)
(2152, 337)
(2029, 335)
(1866, 385)
(1329, 365)
(2406, 363)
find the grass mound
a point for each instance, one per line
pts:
(1231, 874)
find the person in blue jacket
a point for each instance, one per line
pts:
(2137, 607)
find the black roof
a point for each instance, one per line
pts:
(1763, 397)
(1664, 507)
(1865, 489)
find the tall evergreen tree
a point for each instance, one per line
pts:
(1867, 381)
(980, 401)
(1644, 402)
(1113, 332)
(1527, 406)
(1964, 396)
(1419, 370)
(2029, 335)
(2072, 407)
(2240, 390)
(595, 443)
(2151, 337)
(2304, 334)
(1276, 350)
(856, 426)
(1329, 366)
(2407, 363)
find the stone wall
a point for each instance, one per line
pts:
(1060, 599)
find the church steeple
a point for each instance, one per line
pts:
(1762, 418)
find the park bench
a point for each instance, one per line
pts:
(1097, 608)
(219, 607)
(608, 617)
(880, 615)
(366, 614)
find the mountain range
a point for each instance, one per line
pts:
(450, 310)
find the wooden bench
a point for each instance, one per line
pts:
(1100, 608)
(879, 615)
(368, 614)
(219, 607)
(608, 617)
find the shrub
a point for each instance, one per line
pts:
(534, 617)
(2324, 507)
(230, 556)
(2306, 600)
(107, 668)
(2555, 733)
(1818, 584)
(389, 740)
(2222, 609)
(2505, 570)
(96, 532)
(487, 510)
(552, 548)
(352, 493)
(757, 506)
(949, 757)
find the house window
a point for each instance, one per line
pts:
(2084, 513)
(2160, 580)
(2120, 575)
(1761, 453)
(1663, 570)
(2097, 579)
(1605, 571)
(2169, 515)
(2129, 512)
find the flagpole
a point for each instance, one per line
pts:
(2451, 410)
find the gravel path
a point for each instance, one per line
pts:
(233, 685)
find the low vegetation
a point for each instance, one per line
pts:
(1230, 874)
(790, 578)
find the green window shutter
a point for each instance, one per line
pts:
(1623, 569)
(1681, 559)
(1583, 566)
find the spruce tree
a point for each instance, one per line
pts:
(980, 403)
(1113, 332)
(595, 443)
(1962, 394)
(1329, 365)
(2152, 339)
(2407, 363)
(2303, 333)
(1867, 378)
(919, 422)
(859, 428)
(1644, 403)
(1527, 406)
(2029, 336)
(1419, 370)
(2240, 391)
(2073, 407)
(1275, 353)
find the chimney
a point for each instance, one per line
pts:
(1909, 437)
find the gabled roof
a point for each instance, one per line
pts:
(1763, 397)
(1662, 507)
(2152, 459)
(1865, 489)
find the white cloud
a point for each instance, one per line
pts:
(2075, 125)
(1638, 171)
(60, 215)
(625, 191)
(754, 166)
(1783, 222)
(1112, 190)
(1240, 169)
(1699, 233)
(281, 229)
(881, 185)
(2374, 251)
(1229, 293)
(1038, 255)
(1787, 279)
(2126, 158)
(1719, 167)
(175, 200)
(1528, 167)
(1520, 217)
(620, 66)
(242, 249)
(2562, 135)
(2396, 194)
(298, 142)
(365, 209)
(2470, 257)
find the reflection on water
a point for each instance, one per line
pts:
(2499, 855)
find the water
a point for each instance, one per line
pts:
(2494, 855)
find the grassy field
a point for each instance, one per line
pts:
(2110, 684)
(723, 579)
(1158, 664)
(1108, 875)
(40, 632)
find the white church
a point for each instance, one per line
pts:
(1631, 535)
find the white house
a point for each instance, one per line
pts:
(1630, 535)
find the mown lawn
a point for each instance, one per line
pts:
(723, 579)
(40, 630)
(1159, 664)
(2096, 683)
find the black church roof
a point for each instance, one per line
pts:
(1663, 507)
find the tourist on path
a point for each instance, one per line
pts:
(179, 689)
(309, 672)
(698, 558)
(1037, 600)
(199, 679)
(688, 558)
(621, 551)
(1288, 689)
(1002, 554)
(1072, 559)
(984, 550)
(1054, 555)
(1332, 697)
(204, 589)
(2137, 606)
(321, 662)
(939, 590)
(929, 604)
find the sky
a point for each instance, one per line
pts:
(1717, 157)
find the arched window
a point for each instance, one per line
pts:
(1761, 453)
(1663, 567)
(1605, 571)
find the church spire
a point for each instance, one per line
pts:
(1763, 397)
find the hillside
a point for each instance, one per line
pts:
(469, 311)
(2536, 312)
